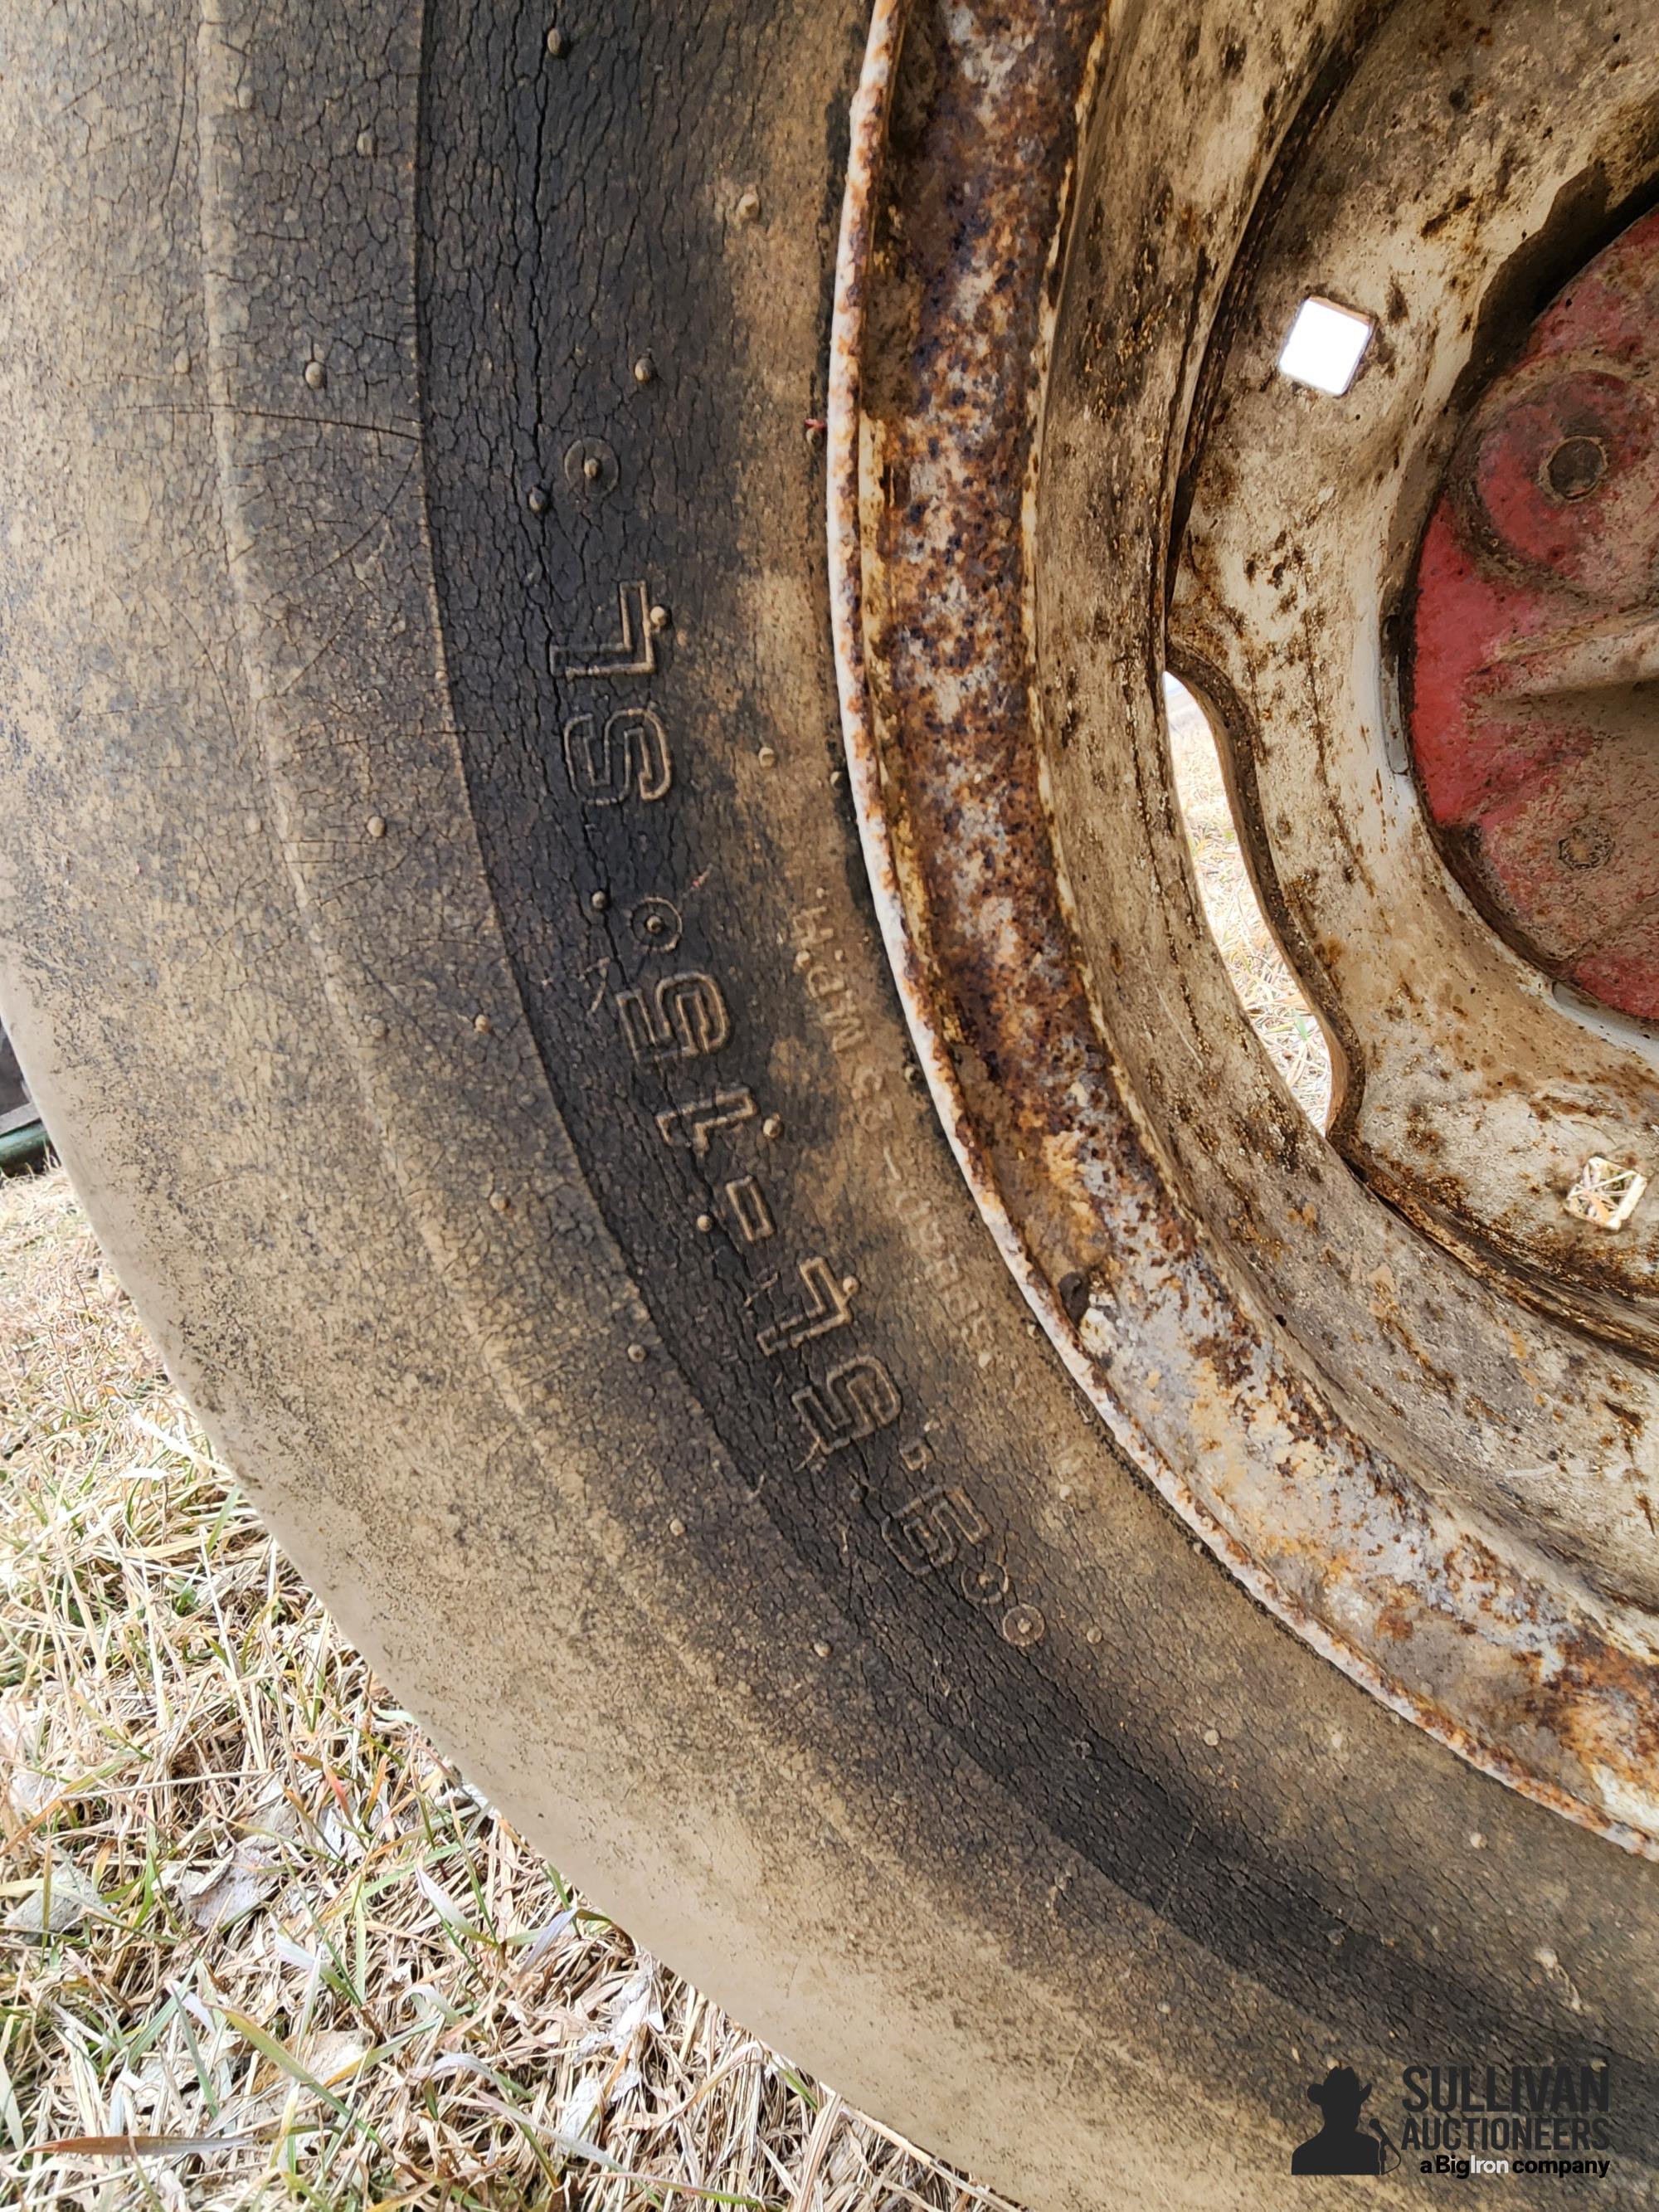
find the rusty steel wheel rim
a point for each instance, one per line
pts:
(1401, 1391)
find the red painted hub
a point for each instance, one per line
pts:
(1534, 668)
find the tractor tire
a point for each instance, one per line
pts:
(436, 929)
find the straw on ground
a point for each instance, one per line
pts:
(261, 1946)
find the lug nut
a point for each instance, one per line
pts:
(1577, 467)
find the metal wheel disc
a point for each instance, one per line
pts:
(1398, 1374)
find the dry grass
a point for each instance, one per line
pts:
(250, 1916)
(1279, 1012)
(251, 1921)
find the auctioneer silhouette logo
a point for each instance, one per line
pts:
(1461, 2120)
(1341, 2146)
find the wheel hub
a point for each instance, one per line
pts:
(1535, 641)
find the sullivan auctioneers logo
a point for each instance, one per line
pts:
(1467, 2120)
